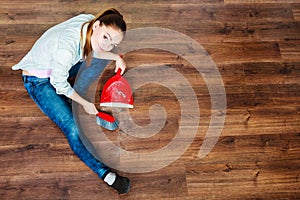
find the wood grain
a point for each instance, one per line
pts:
(254, 45)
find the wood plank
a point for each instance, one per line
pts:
(278, 73)
(233, 177)
(259, 1)
(214, 12)
(60, 185)
(273, 31)
(30, 131)
(230, 53)
(290, 50)
(247, 148)
(253, 176)
(158, 184)
(242, 31)
(296, 11)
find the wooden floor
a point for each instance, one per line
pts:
(256, 47)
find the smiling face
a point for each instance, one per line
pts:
(105, 38)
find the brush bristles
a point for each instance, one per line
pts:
(106, 124)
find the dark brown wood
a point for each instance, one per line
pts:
(255, 45)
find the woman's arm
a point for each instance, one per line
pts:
(120, 64)
(89, 107)
(59, 76)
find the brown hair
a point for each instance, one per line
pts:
(110, 17)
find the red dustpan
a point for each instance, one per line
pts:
(117, 92)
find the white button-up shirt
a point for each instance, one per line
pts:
(58, 49)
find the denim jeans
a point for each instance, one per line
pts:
(59, 110)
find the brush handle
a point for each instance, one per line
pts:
(105, 116)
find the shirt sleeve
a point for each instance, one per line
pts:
(61, 64)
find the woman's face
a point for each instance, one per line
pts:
(105, 38)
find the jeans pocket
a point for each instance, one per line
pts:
(40, 81)
(33, 82)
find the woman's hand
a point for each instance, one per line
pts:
(120, 64)
(90, 108)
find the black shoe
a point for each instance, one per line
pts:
(121, 184)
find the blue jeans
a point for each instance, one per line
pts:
(59, 110)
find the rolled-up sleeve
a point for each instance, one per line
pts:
(61, 64)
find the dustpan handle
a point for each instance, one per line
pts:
(119, 72)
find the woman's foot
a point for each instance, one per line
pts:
(119, 183)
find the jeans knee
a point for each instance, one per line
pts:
(72, 134)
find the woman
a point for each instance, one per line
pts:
(46, 68)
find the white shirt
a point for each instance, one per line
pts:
(58, 49)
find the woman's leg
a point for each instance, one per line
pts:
(87, 75)
(58, 109)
